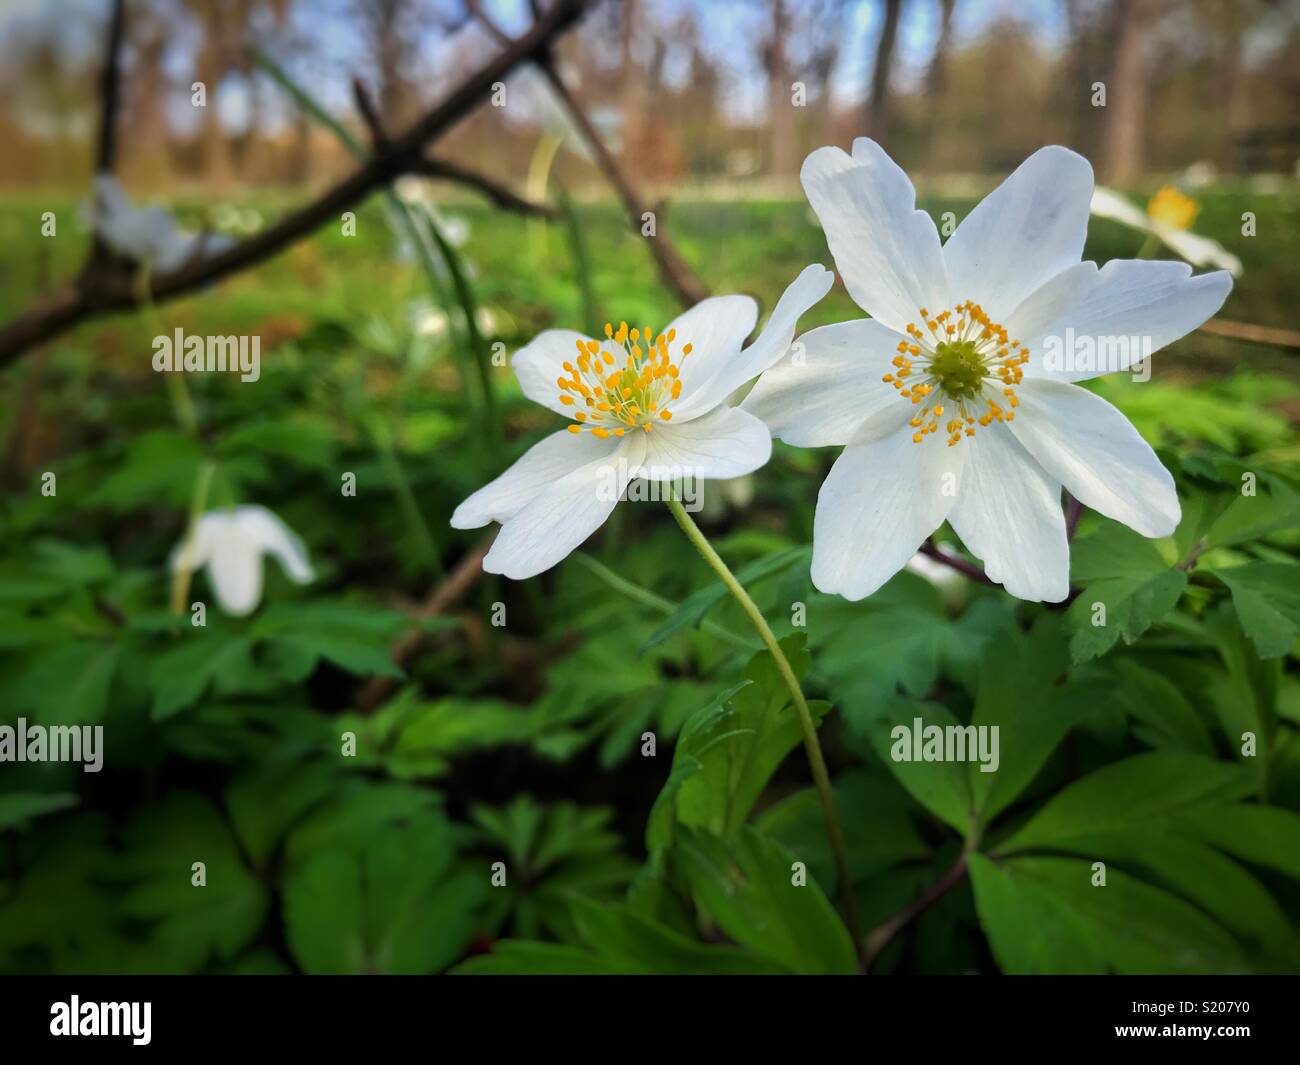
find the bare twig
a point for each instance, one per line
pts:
(109, 83)
(672, 267)
(881, 936)
(446, 595)
(499, 194)
(109, 291)
(968, 569)
(370, 114)
(1256, 334)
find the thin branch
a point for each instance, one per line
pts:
(370, 115)
(967, 569)
(446, 595)
(110, 79)
(113, 291)
(672, 267)
(1255, 334)
(499, 194)
(881, 936)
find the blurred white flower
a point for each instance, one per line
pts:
(146, 234)
(1168, 217)
(230, 544)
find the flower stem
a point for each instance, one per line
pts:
(816, 761)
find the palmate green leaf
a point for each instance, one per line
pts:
(1261, 835)
(19, 809)
(1043, 915)
(200, 660)
(188, 925)
(942, 787)
(68, 683)
(1124, 572)
(730, 749)
(866, 652)
(354, 636)
(378, 890)
(553, 853)
(1248, 518)
(1163, 715)
(1189, 868)
(1146, 789)
(273, 794)
(746, 886)
(1267, 598)
(1026, 694)
(617, 940)
(696, 606)
(57, 914)
(877, 818)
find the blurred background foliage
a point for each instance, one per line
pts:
(525, 743)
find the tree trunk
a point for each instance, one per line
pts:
(876, 119)
(1125, 96)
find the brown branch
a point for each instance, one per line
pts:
(1255, 334)
(370, 115)
(967, 569)
(881, 936)
(672, 267)
(499, 194)
(446, 595)
(114, 291)
(109, 85)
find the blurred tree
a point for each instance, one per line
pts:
(877, 115)
(1126, 90)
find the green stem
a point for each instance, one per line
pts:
(177, 390)
(816, 761)
(198, 503)
(655, 602)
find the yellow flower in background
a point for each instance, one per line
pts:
(1173, 207)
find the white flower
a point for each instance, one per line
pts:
(146, 234)
(231, 543)
(1168, 216)
(644, 407)
(959, 417)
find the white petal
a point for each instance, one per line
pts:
(882, 498)
(1028, 229)
(1107, 203)
(1198, 249)
(1008, 514)
(265, 532)
(715, 328)
(1092, 449)
(726, 442)
(539, 467)
(235, 574)
(825, 390)
(1079, 326)
(540, 363)
(885, 249)
(209, 530)
(772, 343)
(564, 514)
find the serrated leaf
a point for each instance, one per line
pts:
(1267, 599)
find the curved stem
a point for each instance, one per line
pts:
(816, 761)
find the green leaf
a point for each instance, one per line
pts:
(738, 742)
(69, 684)
(388, 901)
(1043, 915)
(1023, 694)
(1146, 789)
(181, 676)
(1255, 517)
(19, 809)
(747, 886)
(1123, 572)
(1163, 714)
(1262, 835)
(942, 787)
(695, 607)
(189, 924)
(1267, 598)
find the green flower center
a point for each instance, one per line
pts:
(958, 369)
